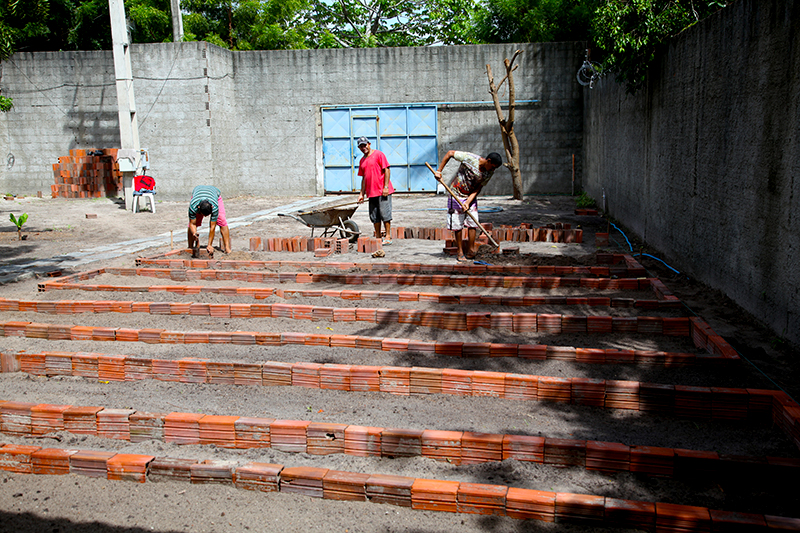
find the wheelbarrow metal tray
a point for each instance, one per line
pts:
(326, 217)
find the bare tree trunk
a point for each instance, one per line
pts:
(510, 143)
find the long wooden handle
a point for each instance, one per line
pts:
(467, 211)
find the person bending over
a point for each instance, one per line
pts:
(207, 202)
(472, 175)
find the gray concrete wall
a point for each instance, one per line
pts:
(704, 164)
(248, 122)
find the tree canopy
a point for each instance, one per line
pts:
(536, 21)
(628, 32)
(624, 34)
(371, 23)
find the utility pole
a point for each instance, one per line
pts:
(128, 123)
(177, 21)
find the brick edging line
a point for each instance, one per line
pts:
(691, 402)
(664, 300)
(414, 493)
(25, 419)
(631, 269)
(451, 320)
(441, 280)
(718, 350)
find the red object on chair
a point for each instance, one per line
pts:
(144, 183)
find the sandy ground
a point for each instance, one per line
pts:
(76, 503)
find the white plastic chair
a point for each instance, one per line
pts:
(146, 195)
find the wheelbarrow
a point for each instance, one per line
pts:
(332, 219)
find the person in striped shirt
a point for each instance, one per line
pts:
(473, 173)
(207, 202)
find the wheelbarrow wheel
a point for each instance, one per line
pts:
(352, 227)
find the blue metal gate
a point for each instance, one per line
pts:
(406, 133)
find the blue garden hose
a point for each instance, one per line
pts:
(646, 255)
(741, 355)
(657, 259)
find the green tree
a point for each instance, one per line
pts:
(20, 24)
(629, 31)
(373, 23)
(523, 21)
(148, 21)
(247, 24)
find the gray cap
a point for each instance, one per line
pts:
(362, 140)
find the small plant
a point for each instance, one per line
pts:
(776, 343)
(584, 200)
(18, 222)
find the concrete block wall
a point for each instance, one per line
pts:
(249, 122)
(703, 162)
(171, 86)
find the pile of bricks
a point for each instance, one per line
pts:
(87, 176)
(369, 245)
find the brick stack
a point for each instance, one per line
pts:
(87, 176)
(368, 245)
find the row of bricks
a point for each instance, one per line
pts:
(299, 244)
(322, 247)
(631, 268)
(442, 280)
(413, 268)
(557, 232)
(554, 324)
(414, 493)
(303, 244)
(323, 438)
(439, 234)
(261, 293)
(695, 402)
(456, 349)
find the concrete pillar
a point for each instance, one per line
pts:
(177, 21)
(126, 105)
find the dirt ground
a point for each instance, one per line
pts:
(58, 228)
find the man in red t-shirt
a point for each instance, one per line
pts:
(375, 185)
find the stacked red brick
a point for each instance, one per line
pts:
(87, 176)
